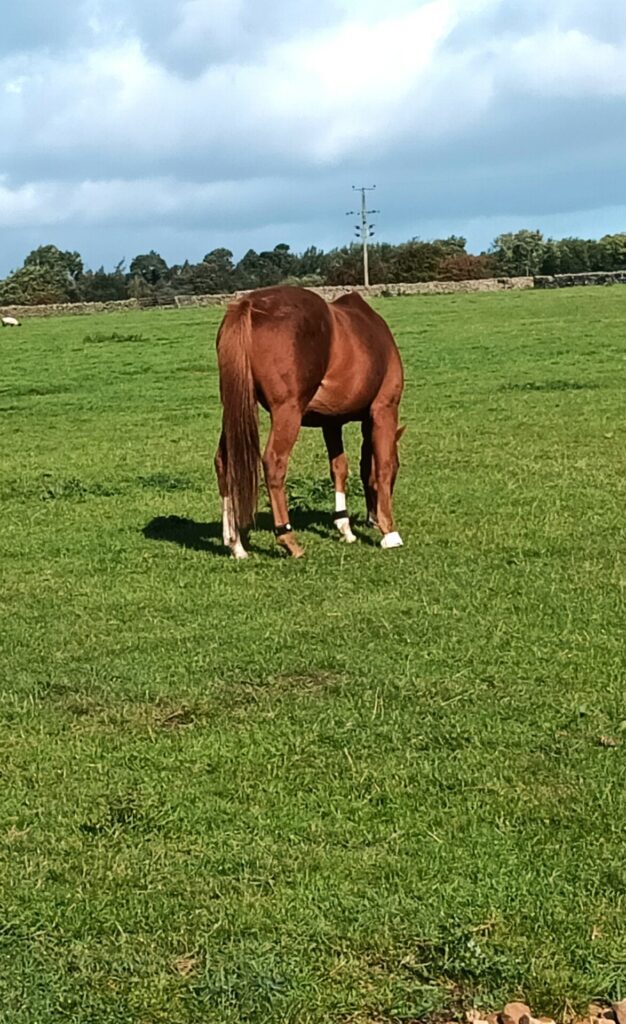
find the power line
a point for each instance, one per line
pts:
(364, 230)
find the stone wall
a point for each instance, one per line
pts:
(331, 292)
(496, 284)
(222, 299)
(578, 280)
(70, 308)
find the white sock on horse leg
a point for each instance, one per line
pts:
(391, 540)
(237, 550)
(230, 532)
(343, 524)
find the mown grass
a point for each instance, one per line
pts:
(367, 786)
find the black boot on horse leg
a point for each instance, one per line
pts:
(338, 475)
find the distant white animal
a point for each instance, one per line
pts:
(10, 321)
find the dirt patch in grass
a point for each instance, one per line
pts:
(513, 1013)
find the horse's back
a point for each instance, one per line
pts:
(354, 314)
(291, 343)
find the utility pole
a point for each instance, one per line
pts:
(364, 230)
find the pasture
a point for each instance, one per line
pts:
(367, 786)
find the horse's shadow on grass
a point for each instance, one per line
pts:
(187, 533)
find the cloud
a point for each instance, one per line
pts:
(210, 117)
(187, 36)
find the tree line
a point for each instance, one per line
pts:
(50, 275)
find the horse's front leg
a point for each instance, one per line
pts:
(339, 475)
(368, 473)
(286, 423)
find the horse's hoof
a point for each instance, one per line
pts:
(371, 522)
(347, 536)
(238, 553)
(391, 540)
(291, 546)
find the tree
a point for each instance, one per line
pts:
(345, 266)
(138, 288)
(307, 281)
(311, 263)
(614, 250)
(56, 262)
(33, 286)
(282, 258)
(181, 278)
(101, 286)
(48, 275)
(151, 267)
(418, 261)
(218, 271)
(463, 266)
(519, 254)
(52, 275)
(261, 270)
(247, 271)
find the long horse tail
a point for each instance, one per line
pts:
(241, 420)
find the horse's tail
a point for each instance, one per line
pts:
(241, 422)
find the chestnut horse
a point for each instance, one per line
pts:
(314, 364)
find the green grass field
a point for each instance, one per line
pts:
(368, 786)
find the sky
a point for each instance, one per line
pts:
(184, 125)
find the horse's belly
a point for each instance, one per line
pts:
(352, 379)
(334, 398)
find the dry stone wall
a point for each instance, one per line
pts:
(69, 308)
(183, 301)
(581, 280)
(496, 284)
(382, 290)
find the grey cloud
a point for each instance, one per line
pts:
(187, 36)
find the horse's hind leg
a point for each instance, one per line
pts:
(286, 422)
(339, 475)
(384, 442)
(232, 539)
(368, 475)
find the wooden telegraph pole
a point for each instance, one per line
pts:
(364, 230)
